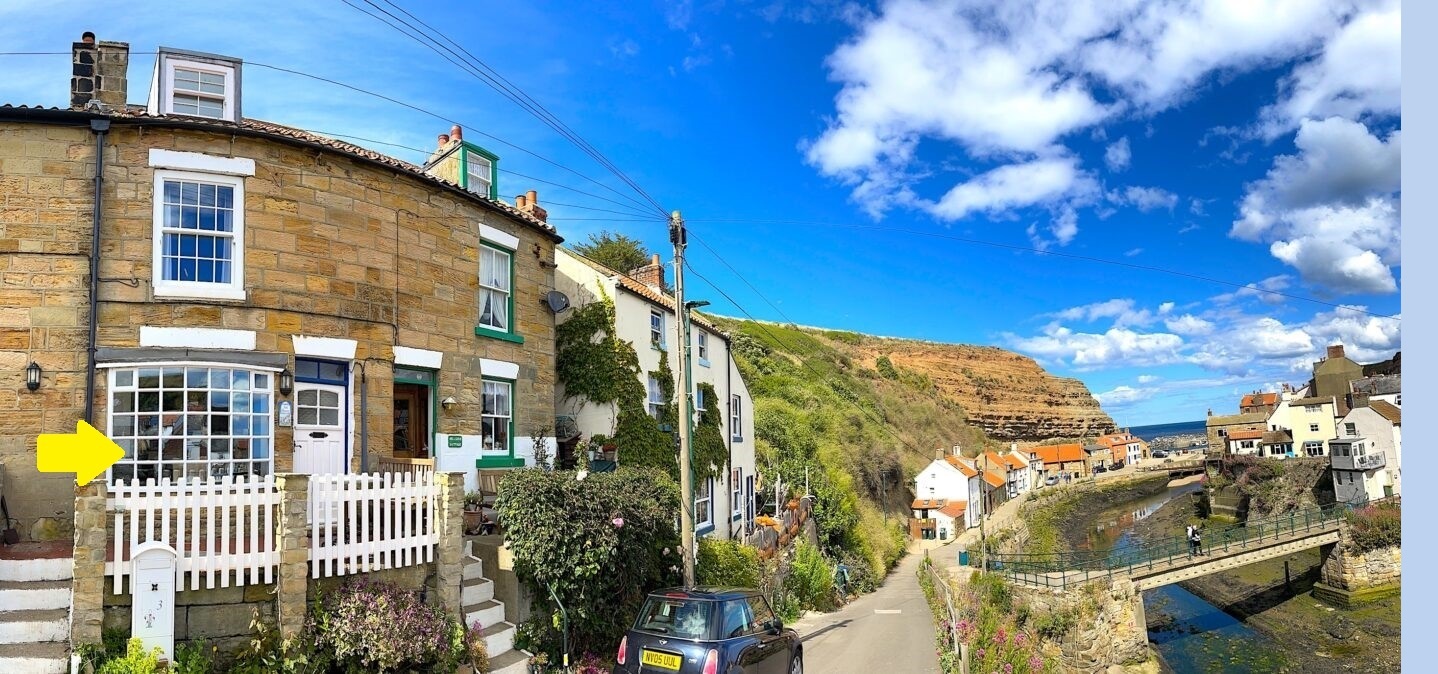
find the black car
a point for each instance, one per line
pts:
(1100, 469)
(709, 631)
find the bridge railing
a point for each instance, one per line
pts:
(1069, 568)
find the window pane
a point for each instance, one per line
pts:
(308, 397)
(122, 402)
(329, 398)
(307, 416)
(241, 380)
(329, 417)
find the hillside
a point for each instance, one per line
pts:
(862, 415)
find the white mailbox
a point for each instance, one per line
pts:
(152, 590)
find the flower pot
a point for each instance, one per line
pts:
(473, 520)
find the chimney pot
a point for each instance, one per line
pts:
(443, 140)
(519, 202)
(87, 37)
(456, 133)
(533, 196)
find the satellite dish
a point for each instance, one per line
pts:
(557, 301)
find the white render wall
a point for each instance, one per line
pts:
(1382, 436)
(940, 479)
(582, 284)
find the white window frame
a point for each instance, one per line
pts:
(703, 342)
(125, 381)
(167, 91)
(656, 329)
(736, 494)
(704, 516)
(1313, 448)
(736, 418)
(655, 402)
(1350, 428)
(488, 178)
(508, 293)
(235, 289)
(1312, 428)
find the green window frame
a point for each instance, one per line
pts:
(501, 323)
(472, 153)
(488, 410)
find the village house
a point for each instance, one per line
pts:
(1258, 402)
(1124, 447)
(1219, 427)
(1245, 441)
(233, 301)
(1331, 376)
(1385, 387)
(1359, 471)
(1380, 424)
(644, 316)
(1066, 460)
(1012, 467)
(939, 519)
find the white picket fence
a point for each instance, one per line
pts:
(362, 523)
(223, 530)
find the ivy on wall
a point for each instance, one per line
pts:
(711, 455)
(597, 367)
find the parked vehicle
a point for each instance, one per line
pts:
(709, 631)
(1051, 480)
(1117, 465)
(1159, 454)
(1100, 469)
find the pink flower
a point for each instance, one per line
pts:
(1001, 636)
(980, 653)
(1020, 638)
(618, 522)
(1036, 663)
(1008, 668)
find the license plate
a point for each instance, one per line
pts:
(665, 660)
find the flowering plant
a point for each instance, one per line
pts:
(375, 626)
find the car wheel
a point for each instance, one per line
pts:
(796, 666)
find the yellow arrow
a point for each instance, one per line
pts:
(86, 453)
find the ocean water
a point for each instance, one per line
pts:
(1148, 433)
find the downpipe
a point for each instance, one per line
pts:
(99, 127)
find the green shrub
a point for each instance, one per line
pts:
(380, 627)
(135, 660)
(193, 657)
(600, 544)
(811, 578)
(727, 563)
(886, 368)
(268, 653)
(1376, 526)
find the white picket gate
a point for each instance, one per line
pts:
(361, 523)
(223, 528)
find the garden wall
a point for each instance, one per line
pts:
(1350, 577)
(1108, 623)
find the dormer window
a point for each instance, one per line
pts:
(465, 164)
(195, 84)
(479, 172)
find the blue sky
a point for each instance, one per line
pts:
(834, 153)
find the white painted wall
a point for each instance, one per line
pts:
(940, 479)
(1382, 436)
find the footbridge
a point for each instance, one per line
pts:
(1169, 560)
(1179, 468)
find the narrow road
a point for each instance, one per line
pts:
(889, 630)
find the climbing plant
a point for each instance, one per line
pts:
(711, 455)
(596, 366)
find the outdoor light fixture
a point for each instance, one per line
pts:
(32, 376)
(448, 403)
(287, 381)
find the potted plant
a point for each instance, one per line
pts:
(478, 650)
(537, 663)
(473, 512)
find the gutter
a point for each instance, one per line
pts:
(99, 127)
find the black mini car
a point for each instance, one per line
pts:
(709, 631)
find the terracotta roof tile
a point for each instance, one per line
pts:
(1015, 461)
(928, 503)
(1246, 434)
(955, 509)
(1055, 454)
(1388, 411)
(1258, 399)
(994, 479)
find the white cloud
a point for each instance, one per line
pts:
(1188, 325)
(1118, 155)
(1196, 207)
(1165, 308)
(1366, 338)
(1332, 210)
(1146, 198)
(1263, 290)
(1148, 378)
(624, 48)
(1358, 73)
(1133, 252)
(1120, 396)
(1010, 80)
(1122, 310)
(1090, 351)
(679, 14)
(1011, 186)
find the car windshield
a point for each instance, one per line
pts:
(677, 616)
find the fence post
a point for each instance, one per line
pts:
(449, 571)
(963, 659)
(290, 604)
(87, 584)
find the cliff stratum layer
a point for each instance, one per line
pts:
(1007, 395)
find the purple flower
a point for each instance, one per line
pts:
(1008, 668)
(1001, 636)
(1020, 638)
(618, 522)
(980, 653)
(1035, 663)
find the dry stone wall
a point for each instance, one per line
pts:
(1110, 629)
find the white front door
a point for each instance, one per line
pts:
(319, 429)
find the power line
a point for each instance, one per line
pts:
(475, 129)
(1040, 251)
(481, 71)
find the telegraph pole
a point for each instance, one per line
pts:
(681, 327)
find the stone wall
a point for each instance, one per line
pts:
(221, 617)
(1109, 629)
(1350, 577)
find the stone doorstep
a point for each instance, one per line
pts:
(476, 590)
(39, 658)
(498, 638)
(35, 594)
(513, 662)
(49, 568)
(34, 626)
(485, 613)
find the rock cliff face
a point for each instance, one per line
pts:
(1006, 394)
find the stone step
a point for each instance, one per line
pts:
(498, 638)
(43, 658)
(34, 594)
(474, 591)
(48, 568)
(34, 626)
(512, 662)
(473, 568)
(485, 613)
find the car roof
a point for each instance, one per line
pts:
(716, 593)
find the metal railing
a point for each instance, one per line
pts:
(1073, 568)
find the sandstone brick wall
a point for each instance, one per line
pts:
(335, 247)
(1347, 569)
(45, 207)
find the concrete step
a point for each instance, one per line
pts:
(34, 594)
(34, 626)
(472, 591)
(485, 613)
(47, 568)
(512, 662)
(473, 568)
(45, 658)
(498, 638)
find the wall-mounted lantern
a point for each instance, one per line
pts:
(448, 403)
(32, 376)
(287, 382)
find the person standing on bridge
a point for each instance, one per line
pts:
(1196, 543)
(1188, 536)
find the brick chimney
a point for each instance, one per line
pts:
(651, 274)
(98, 72)
(529, 203)
(1335, 351)
(939, 454)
